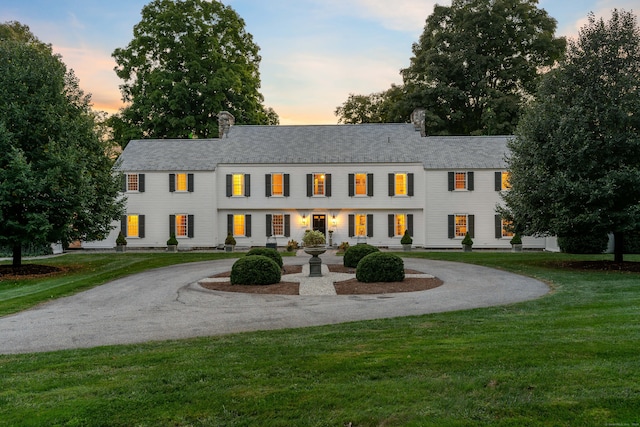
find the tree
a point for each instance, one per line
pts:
(379, 107)
(476, 63)
(187, 61)
(575, 161)
(56, 182)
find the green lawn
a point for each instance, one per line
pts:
(568, 359)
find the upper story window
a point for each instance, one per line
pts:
(360, 184)
(238, 185)
(502, 181)
(461, 181)
(276, 185)
(181, 182)
(133, 183)
(319, 184)
(400, 184)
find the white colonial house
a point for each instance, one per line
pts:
(368, 181)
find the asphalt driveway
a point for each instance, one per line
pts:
(167, 303)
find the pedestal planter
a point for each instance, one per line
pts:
(172, 248)
(315, 263)
(516, 248)
(467, 248)
(228, 248)
(406, 247)
(121, 248)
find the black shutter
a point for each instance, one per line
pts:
(123, 182)
(309, 185)
(247, 222)
(452, 180)
(498, 226)
(410, 189)
(370, 184)
(392, 225)
(140, 225)
(247, 185)
(352, 225)
(471, 225)
(172, 182)
(410, 224)
(286, 185)
(470, 181)
(267, 185)
(123, 225)
(498, 181)
(190, 185)
(452, 226)
(369, 225)
(172, 225)
(141, 183)
(327, 185)
(229, 185)
(190, 226)
(392, 187)
(352, 178)
(230, 224)
(268, 225)
(287, 225)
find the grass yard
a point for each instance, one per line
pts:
(568, 359)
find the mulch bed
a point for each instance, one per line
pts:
(27, 271)
(345, 287)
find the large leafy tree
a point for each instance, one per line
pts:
(187, 61)
(575, 161)
(477, 61)
(379, 107)
(56, 182)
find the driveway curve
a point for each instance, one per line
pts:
(167, 303)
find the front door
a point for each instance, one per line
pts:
(320, 223)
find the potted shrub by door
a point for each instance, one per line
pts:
(516, 243)
(229, 243)
(406, 241)
(467, 243)
(121, 243)
(172, 244)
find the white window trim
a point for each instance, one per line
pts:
(406, 184)
(137, 182)
(313, 184)
(242, 183)
(273, 216)
(355, 186)
(395, 224)
(186, 236)
(272, 184)
(128, 235)
(455, 225)
(466, 181)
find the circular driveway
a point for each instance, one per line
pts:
(167, 303)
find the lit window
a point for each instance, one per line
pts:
(277, 184)
(132, 182)
(505, 181)
(182, 225)
(181, 182)
(361, 225)
(133, 226)
(277, 224)
(237, 184)
(238, 225)
(507, 230)
(318, 184)
(461, 225)
(400, 224)
(461, 181)
(361, 184)
(401, 184)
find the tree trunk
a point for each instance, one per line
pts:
(17, 255)
(618, 246)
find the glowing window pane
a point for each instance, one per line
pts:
(238, 184)
(133, 226)
(461, 225)
(401, 224)
(132, 182)
(361, 184)
(401, 184)
(181, 182)
(181, 225)
(361, 225)
(277, 224)
(277, 184)
(238, 225)
(318, 184)
(461, 180)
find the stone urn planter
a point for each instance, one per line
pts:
(516, 243)
(172, 244)
(467, 243)
(315, 263)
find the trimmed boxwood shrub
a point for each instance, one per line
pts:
(268, 252)
(255, 270)
(380, 267)
(584, 243)
(354, 254)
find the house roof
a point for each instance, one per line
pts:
(363, 143)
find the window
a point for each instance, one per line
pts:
(277, 224)
(400, 224)
(277, 184)
(134, 182)
(132, 225)
(319, 184)
(238, 225)
(460, 224)
(181, 182)
(238, 185)
(361, 225)
(502, 181)
(401, 184)
(181, 225)
(504, 228)
(361, 184)
(460, 181)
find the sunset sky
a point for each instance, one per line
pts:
(314, 52)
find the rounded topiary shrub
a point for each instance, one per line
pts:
(268, 252)
(380, 267)
(584, 244)
(354, 254)
(255, 270)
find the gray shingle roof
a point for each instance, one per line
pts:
(365, 143)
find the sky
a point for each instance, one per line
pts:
(314, 52)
